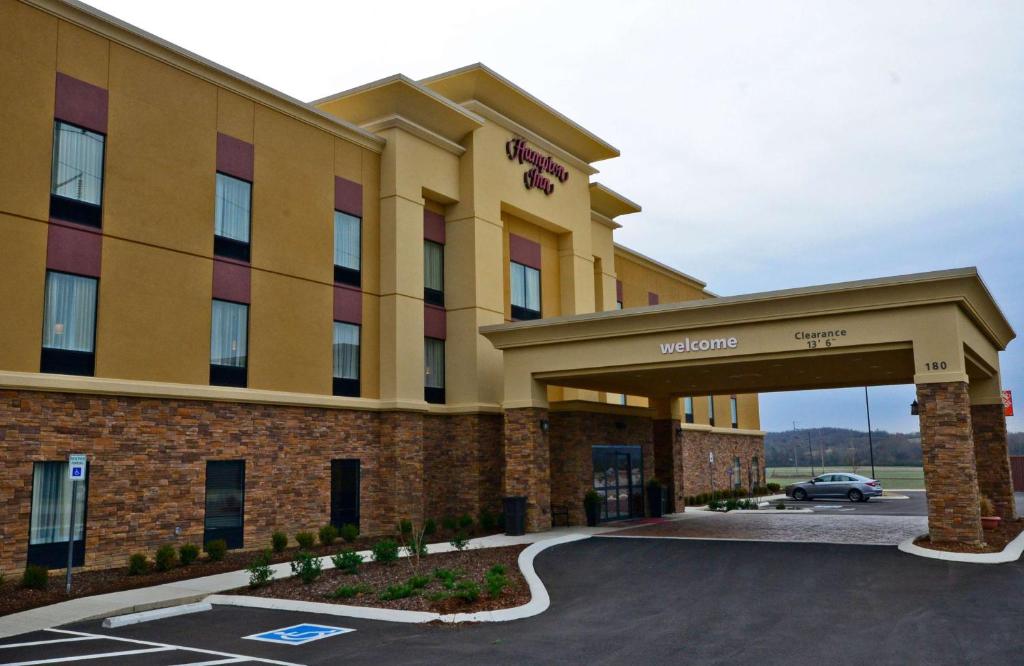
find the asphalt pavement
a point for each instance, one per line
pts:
(643, 601)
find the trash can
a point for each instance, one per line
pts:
(515, 516)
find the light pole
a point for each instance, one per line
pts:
(871, 444)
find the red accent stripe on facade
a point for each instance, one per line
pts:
(434, 322)
(231, 281)
(348, 305)
(618, 290)
(235, 157)
(433, 226)
(652, 298)
(524, 251)
(71, 248)
(81, 103)
(348, 196)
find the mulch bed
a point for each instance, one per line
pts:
(995, 540)
(471, 564)
(14, 598)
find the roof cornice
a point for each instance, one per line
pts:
(129, 36)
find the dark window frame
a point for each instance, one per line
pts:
(734, 411)
(520, 313)
(435, 296)
(73, 210)
(711, 411)
(344, 386)
(206, 492)
(231, 248)
(55, 555)
(69, 361)
(229, 375)
(688, 415)
(436, 394)
(352, 277)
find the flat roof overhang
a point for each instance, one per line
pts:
(919, 328)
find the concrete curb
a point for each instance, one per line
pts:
(1011, 553)
(539, 599)
(155, 614)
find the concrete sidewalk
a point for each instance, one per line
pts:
(195, 589)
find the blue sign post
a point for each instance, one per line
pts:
(76, 473)
(298, 634)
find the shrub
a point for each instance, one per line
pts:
(591, 499)
(385, 551)
(349, 591)
(347, 561)
(328, 534)
(437, 595)
(497, 569)
(36, 577)
(397, 592)
(188, 553)
(459, 542)
(166, 557)
(731, 504)
(774, 487)
(216, 549)
(486, 520)
(418, 582)
(138, 564)
(466, 590)
(715, 505)
(306, 566)
(447, 577)
(404, 527)
(259, 570)
(780, 506)
(449, 523)
(429, 527)
(278, 541)
(349, 532)
(305, 540)
(466, 522)
(495, 581)
(985, 505)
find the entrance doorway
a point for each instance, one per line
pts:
(618, 479)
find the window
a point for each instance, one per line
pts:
(232, 218)
(622, 398)
(347, 248)
(433, 273)
(755, 469)
(346, 359)
(734, 412)
(69, 324)
(433, 379)
(688, 410)
(525, 288)
(51, 516)
(711, 410)
(225, 502)
(618, 305)
(737, 471)
(345, 492)
(228, 343)
(76, 175)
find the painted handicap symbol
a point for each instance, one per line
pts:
(298, 634)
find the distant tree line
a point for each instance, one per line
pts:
(843, 447)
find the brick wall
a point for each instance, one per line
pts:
(572, 436)
(992, 455)
(695, 473)
(463, 462)
(950, 470)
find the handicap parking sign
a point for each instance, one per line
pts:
(298, 634)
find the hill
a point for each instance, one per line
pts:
(840, 446)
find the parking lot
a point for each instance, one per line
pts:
(639, 600)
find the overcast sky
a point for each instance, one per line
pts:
(771, 145)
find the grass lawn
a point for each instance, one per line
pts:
(909, 478)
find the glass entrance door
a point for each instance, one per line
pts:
(618, 479)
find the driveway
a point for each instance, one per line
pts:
(652, 601)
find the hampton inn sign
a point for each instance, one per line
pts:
(519, 150)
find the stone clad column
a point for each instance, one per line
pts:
(668, 460)
(401, 439)
(950, 469)
(528, 463)
(992, 455)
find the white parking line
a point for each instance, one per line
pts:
(83, 657)
(214, 662)
(55, 640)
(187, 648)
